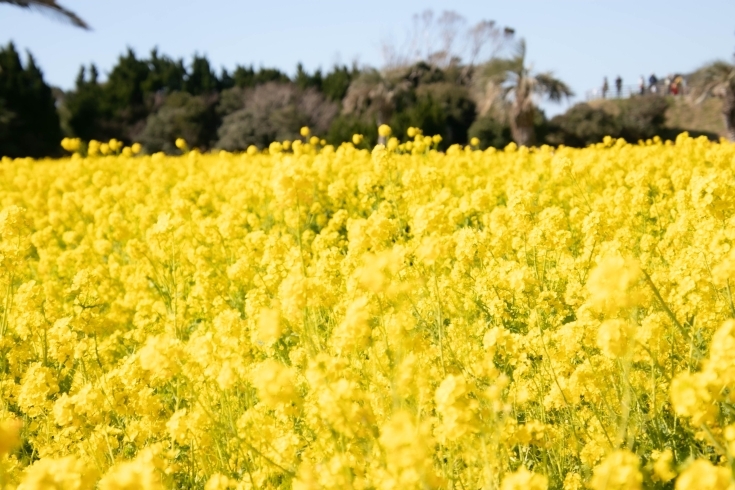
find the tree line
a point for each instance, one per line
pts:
(156, 99)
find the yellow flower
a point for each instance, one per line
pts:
(475, 141)
(614, 336)
(115, 145)
(305, 131)
(384, 130)
(219, 481)
(522, 479)
(9, 435)
(354, 331)
(611, 284)
(618, 471)
(357, 139)
(702, 475)
(93, 148)
(663, 464)
(268, 329)
(181, 144)
(138, 474)
(319, 316)
(67, 473)
(71, 144)
(275, 384)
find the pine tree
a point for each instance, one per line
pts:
(32, 124)
(201, 79)
(87, 114)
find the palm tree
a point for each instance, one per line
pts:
(512, 84)
(50, 7)
(718, 80)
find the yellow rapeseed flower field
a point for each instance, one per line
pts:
(314, 317)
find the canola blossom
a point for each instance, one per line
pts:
(314, 317)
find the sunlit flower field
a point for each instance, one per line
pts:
(395, 317)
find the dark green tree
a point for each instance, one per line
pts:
(88, 115)
(164, 74)
(182, 115)
(336, 82)
(344, 126)
(31, 125)
(249, 77)
(201, 78)
(491, 130)
(226, 80)
(582, 125)
(5, 118)
(444, 108)
(124, 97)
(305, 80)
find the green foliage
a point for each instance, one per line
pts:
(270, 112)
(5, 118)
(582, 125)
(642, 117)
(305, 80)
(337, 82)
(166, 74)
(29, 124)
(439, 108)
(182, 115)
(231, 110)
(249, 77)
(87, 116)
(491, 131)
(634, 119)
(346, 125)
(201, 78)
(423, 73)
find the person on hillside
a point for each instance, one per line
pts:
(619, 86)
(642, 85)
(677, 85)
(605, 88)
(652, 83)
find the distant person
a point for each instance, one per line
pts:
(619, 86)
(677, 86)
(642, 85)
(652, 83)
(605, 88)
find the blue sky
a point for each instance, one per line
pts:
(580, 40)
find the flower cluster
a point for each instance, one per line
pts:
(315, 317)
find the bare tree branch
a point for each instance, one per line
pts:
(446, 39)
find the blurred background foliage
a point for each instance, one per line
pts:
(486, 90)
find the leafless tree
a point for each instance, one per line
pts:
(446, 39)
(52, 8)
